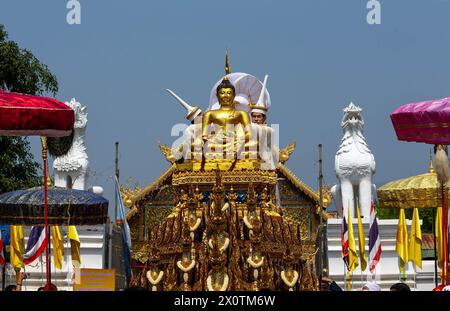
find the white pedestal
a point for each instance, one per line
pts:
(387, 270)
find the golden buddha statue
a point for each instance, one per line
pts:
(226, 131)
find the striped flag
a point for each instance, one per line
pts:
(2, 251)
(374, 240)
(37, 242)
(344, 240)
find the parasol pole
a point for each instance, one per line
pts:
(435, 257)
(47, 249)
(444, 280)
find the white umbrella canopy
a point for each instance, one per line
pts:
(248, 89)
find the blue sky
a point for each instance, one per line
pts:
(320, 55)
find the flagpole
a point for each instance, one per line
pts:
(4, 276)
(444, 280)
(47, 235)
(435, 257)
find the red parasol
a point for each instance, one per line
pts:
(23, 115)
(427, 122)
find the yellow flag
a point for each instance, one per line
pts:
(352, 254)
(74, 246)
(415, 240)
(402, 240)
(17, 247)
(362, 241)
(58, 247)
(439, 236)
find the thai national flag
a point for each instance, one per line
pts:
(374, 240)
(344, 239)
(37, 242)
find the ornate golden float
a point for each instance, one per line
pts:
(224, 224)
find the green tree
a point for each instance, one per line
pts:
(20, 71)
(426, 214)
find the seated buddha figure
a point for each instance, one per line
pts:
(226, 132)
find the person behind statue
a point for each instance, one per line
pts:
(258, 117)
(267, 150)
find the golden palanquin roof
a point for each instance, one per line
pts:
(420, 191)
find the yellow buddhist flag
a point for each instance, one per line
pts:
(74, 246)
(362, 241)
(352, 254)
(17, 247)
(58, 247)
(439, 236)
(415, 240)
(402, 240)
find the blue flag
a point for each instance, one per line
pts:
(126, 236)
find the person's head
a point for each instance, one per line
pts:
(258, 117)
(371, 286)
(400, 287)
(225, 92)
(10, 288)
(52, 288)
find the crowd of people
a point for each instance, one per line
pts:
(330, 285)
(19, 280)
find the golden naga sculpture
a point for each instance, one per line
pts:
(217, 222)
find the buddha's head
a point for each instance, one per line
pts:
(225, 93)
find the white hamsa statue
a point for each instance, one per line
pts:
(71, 168)
(354, 166)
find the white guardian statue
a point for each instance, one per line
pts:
(354, 166)
(71, 167)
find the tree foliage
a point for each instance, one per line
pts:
(18, 170)
(20, 71)
(426, 214)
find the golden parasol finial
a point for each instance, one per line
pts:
(431, 163)
(227, 64)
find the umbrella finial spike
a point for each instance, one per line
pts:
(192, 112)
(431, 169)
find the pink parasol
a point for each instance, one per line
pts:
(23, 115)
(423, 122)
(427, 122)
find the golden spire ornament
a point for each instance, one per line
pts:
(227, 64)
